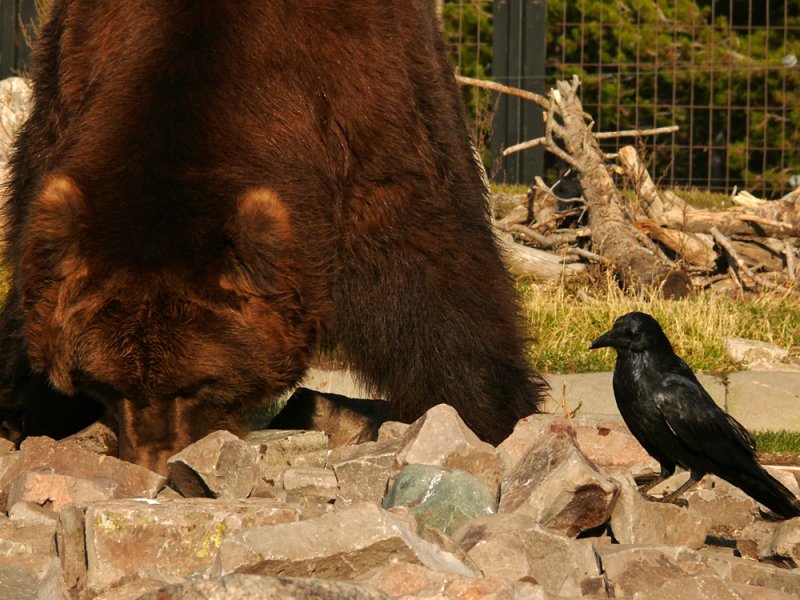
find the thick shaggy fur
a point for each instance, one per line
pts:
(207, 191)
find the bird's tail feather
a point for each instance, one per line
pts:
(763, 487)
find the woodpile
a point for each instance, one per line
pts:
(650, 238)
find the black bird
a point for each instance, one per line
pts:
(677, 422)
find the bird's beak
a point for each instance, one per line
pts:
(604, 341)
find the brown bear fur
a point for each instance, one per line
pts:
(208, 191)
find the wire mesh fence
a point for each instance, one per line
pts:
(726, 72)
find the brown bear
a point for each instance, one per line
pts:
(208, 192)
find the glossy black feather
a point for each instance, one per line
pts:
(676, 421)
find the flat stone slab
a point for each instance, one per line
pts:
(765, 400)
(758, 399)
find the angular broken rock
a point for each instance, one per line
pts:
(104, 543)
(28, 548)
(635, 520)
(66, 458)
(392, 430)
(55, 491)
(701, 587)
(7, 446)
(557, 486)
(363, 471)
(275, 588)
(441, 438)
(405, 580)
(443, 499)
(513, 547)
(97, 438)
(530, 432)
(610, 446)
(16, 584)
(277, 450)
(727, 507)
(311, 481)
(345, 420)
(30, 513)
(773, 542)
(219, 465)
(635, 569)
(754, 352)
(632, 569)
(345, 544)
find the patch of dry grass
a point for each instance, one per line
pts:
(565, 319)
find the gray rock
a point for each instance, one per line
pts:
(635, 520)
(66, 458)
(27, 548)
(729, 508)
(54, 490)
(311, 481)
(30, 513)
(558, 487)
(610, 446)
(342, 545)
(219, 465)
(105, 543)
(392, 430)
(630, 569)
(440, 498)
(406, 580)
(277, 450)
(241, 587)
(96, 438)
(363, 471)
(16, 584)
(52, 586)
(512, 547)
(441, 438)
(773, 542)
(701, 587)
(6, 446)
(754, 352)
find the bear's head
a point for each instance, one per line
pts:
(175, 347)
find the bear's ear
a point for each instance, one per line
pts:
(260, 233)
(56, 221)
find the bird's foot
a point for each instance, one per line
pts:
(682, 502)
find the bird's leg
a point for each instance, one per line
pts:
(666, 472)
(673, 497)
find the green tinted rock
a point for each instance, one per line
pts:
(441, 498)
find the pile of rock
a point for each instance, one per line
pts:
(426, 511)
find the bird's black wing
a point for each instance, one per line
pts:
(699, 423)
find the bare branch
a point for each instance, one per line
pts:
(548, 241)
(605, 135)
(504, 89)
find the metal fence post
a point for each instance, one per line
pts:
(519, 61)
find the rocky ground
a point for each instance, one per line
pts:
(426, 511)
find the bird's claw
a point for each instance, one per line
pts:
(682, 502)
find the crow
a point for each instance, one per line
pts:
(677, 422)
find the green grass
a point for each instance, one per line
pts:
(777, 442)
(564, 321)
